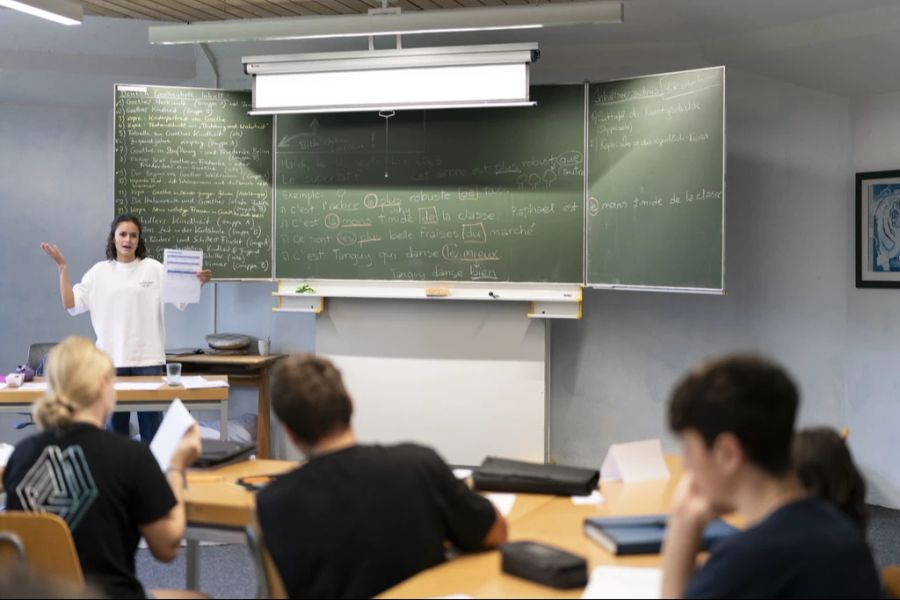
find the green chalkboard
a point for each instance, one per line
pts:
(656, 185)
(197, 170)
(491, 194)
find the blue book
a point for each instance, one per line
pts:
(644, 535)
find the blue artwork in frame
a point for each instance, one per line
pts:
(878, 229)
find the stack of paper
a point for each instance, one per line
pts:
(624, 582)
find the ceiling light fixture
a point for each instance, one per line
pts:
(65, 12)
(451, 77)
(362, 25)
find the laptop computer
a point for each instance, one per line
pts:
(217, 452)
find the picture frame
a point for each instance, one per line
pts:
(878, 229)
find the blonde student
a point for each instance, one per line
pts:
(109, 489)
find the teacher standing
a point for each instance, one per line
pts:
(124, 296)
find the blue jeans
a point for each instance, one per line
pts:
(148, 422)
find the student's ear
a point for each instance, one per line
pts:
(728, 453)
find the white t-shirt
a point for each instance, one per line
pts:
(125, 300)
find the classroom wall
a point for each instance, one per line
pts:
(872, 386)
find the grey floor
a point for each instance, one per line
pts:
(227, 571)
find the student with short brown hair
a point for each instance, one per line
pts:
(357, 519)
(735, 417)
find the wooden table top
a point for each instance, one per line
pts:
(161, 394)
(557, 522)
(244, 360)
(214, 498)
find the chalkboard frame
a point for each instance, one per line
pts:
(271, 271)
(473, 290)
(721, 290)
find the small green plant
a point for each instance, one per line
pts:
(305, 289)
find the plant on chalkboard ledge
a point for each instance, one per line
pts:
(305, 289)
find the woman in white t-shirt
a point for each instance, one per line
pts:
(123, 294)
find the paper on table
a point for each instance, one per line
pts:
(180, 284)
(635, 461)
(462, 473)
(624, 582)
(6, 451)
(176, 422)
(137, 385)
(503, 502)
(35, 385)
(594, 498)
(196, 382)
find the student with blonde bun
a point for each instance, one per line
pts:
(108, 488)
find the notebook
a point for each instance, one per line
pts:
(644, 535)
(216, 452)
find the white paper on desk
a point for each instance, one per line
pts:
(137, 385)
(624, 582)
(6, 451)
(35, 385)
(180, 284)
(635, 461)
(174, 425)
(594, 498)
(503, 502)
(196, 382)
(462, 473)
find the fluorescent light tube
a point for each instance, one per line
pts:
(65, 12)
(425, 21)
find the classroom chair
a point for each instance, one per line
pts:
(268, 580)
(46, 545)
(890, 581)
(36, 352)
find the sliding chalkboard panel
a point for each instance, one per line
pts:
(455, 195)
(656, 181)
(197, 170)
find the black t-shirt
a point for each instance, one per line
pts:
(104, 485)
(806, 549)
(352, 523)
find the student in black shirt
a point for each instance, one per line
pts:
(735, 418)
(356, 519)
(109, 489)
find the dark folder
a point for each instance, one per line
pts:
(644, 535)
(502, 475)
(217, 452)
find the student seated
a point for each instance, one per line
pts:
(357, 519)
(826, 469)
(109, 489)
(735, 417)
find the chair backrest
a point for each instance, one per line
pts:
(268, 579)
(36, 351)
(49, 547)
(890, 580)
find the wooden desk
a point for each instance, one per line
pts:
(19, 399)
(218, 509)
(246, 369)
(557, 522)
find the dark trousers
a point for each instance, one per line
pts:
(148, 422)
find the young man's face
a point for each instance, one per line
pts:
(713, 469)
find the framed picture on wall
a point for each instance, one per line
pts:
(878, 229)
